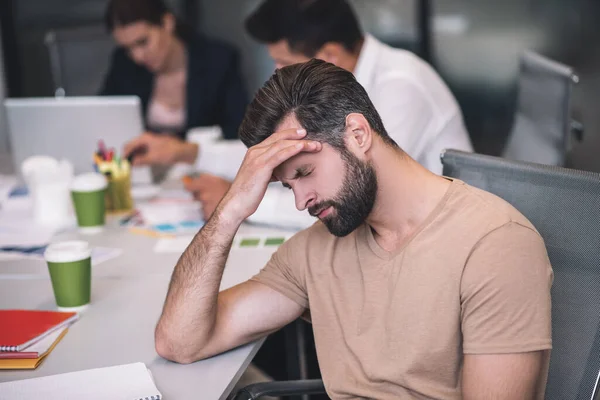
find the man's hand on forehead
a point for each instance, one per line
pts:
(257, 169)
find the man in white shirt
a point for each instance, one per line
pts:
(418, 109)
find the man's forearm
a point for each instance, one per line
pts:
(190, 310)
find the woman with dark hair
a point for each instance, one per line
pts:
(183, 79)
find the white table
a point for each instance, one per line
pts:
(127, 297)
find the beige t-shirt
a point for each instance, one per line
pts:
(474, 278)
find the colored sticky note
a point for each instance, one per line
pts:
(250, 242)
(191, 224)
(165, 227)
(274, 241)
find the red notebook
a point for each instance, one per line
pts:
(21, 328)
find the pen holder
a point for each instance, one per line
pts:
(118, 193)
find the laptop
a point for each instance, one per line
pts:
(70, 128)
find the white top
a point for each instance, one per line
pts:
(418, 111)
(162, 118)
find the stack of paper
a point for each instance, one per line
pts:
(28, 336)
(32, 356)
(127, 382)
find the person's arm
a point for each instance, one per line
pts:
(153, 149)
(506, 316)
(197, 321)
(504, 376)
(277, 207)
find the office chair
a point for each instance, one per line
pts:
(564, 205)
(542, 127)
(79, 59)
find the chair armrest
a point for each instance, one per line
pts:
(283, 388)
(577, 129)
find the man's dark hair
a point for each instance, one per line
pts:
(306, 24)
(319, 94)
(125, 12)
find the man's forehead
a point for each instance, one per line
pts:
(287, 169)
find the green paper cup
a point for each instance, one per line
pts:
(87, 192)
(70, 266)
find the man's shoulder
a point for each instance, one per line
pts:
(394, 62)
(487, 210)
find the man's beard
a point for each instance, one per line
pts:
(355, 200)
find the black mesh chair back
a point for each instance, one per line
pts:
(564, 205)
(541, 131)
(79, 59)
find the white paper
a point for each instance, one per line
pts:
(15, 236)
(122, 382)
(103, 254)
(180, 243)
(44, 344)
(165, 213)
(173, 245)
(99, 255)
(18, 228)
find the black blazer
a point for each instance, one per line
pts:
(215, 92)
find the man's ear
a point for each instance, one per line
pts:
(359, 135)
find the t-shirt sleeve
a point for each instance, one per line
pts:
(285, 271)
(505, 293)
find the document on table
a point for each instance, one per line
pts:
(14, 236)
(17, 227)
(243, 241)
(99, 254)
(126, 382)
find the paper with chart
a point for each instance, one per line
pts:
(241, 242)
(173, 213)
(126, 382)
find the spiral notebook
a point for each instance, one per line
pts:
(19, 329)
(34, 355)
(121, 382)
